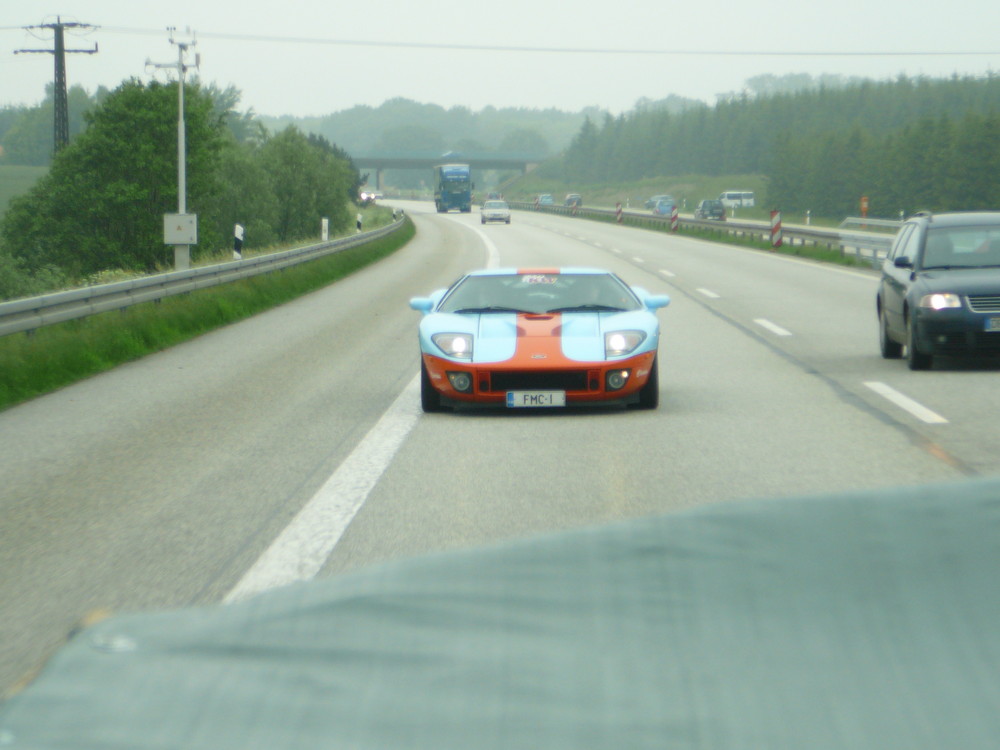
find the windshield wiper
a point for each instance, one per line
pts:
(587, 308)
(488, 309)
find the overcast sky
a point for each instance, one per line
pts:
(306, 57)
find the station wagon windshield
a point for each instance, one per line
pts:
(962, 247)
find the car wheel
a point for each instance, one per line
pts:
(890, 349)
(649, 394)
(430, 399)
(508, 221)
(916, 359)
(482, 221)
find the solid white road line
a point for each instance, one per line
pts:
(906, 403)
(304, 546)
(773, 328)
(302, 549)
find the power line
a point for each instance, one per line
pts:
(560, 50)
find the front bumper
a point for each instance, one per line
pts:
(958, 332)
(584, 382)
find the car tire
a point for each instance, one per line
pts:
(890, 349)
(508, 221)
(482, 221)
(430, 399)
(915, 359)
(649, 394)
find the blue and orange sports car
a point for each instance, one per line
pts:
(539, 338)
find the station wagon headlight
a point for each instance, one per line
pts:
(457, 345)
(940, 301)
(618, 343)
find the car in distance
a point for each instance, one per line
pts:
(546, 199)
(737, 198)
(710, 209)
(665, 206)
(939, 293)
(525, 338)
(653, 200)
(573, 200)
(495, 211)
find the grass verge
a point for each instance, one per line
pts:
(58, 355)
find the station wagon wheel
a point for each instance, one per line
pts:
(915, 359)
(890, 349)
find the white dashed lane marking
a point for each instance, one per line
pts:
(906, 403)
(772, 327)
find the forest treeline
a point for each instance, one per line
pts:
(906, 144)
(100, 206)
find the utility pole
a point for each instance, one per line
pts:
(60, 97)
(180, 230)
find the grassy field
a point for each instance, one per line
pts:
(15, 180)
(55, 356)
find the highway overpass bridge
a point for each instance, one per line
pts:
(522, 163)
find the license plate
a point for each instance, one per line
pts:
(526, 399)
(993, 324)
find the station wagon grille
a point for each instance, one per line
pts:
(985, 303)
(527, 380)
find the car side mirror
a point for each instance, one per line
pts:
(423, 304)
(903, 261)
(656, 301)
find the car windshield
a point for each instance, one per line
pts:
(962, 247)
(539, 293)
(494, 204)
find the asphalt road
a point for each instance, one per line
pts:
(180, 478)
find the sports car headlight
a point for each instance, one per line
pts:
(457, 345)
(618, 343)
(940, 301)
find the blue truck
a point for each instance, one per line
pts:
(453, 188)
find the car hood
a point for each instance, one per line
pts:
(964, 281)
(851, 621)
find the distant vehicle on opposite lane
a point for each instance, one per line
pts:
(546, 199)
(737, 199)
(710, 209)
(939, 293)
(574, 200)
(651, 203)
(665, 206)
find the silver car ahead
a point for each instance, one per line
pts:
(495, 211)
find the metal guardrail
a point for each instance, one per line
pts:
(863, 245)
(35, 312)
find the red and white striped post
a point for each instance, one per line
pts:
(775, 229)
(618, 212)
(673, 218)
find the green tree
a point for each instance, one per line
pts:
(309, 182)
(101, 205)
(28, 138)
(524, 141)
